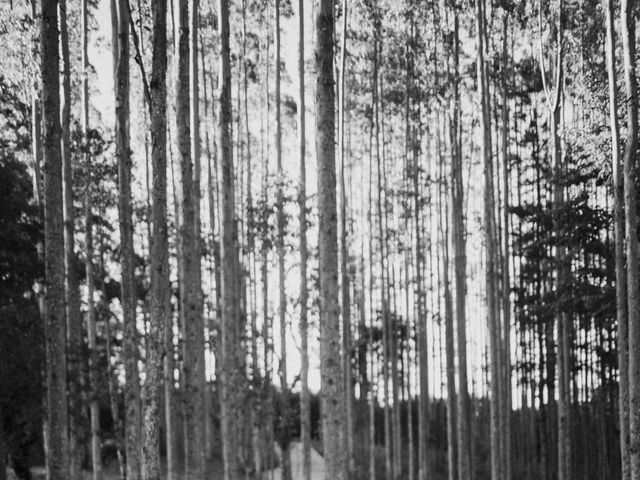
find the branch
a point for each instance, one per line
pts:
(559, 70)
(543, 72)
(138, 58)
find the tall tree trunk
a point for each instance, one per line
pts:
(449, 333)
(94, 414)
(373, 391)
(72, 293)
(631, 225)
(619, 225)
(459, 253)
(421, 331)
(379, 154)
(123, 154)
(231, 356)
(193, 324)
(344, 253)
(332, 386)
(490, 245)
(282, 298)
(112, 384)
(160, 308)
(57, 419)
(305, 406)
(506, 386)
(563, 318)
(196, 149)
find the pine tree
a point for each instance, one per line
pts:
(123, 154)
(160, 309)
(57, 418)
(627, 21)
(305, 407)
(619, 222)
(232, 370)
(332, 386)
(193, 322)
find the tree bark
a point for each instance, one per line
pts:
(72, 293)
(627, 21)
(449, 334)
(332, 382)
(305, 403)
(490, 245)
(193, 324)
(94, 413)
(282, 298)
(123, 154)
(463, 420)
(344, 253)
(231, 356)
(57, 419)
(160, 309)
(619, 225)
(505, 421)
(563, 319)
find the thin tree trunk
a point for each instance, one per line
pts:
(490, 245)
(619, 225)
(72, 293)
(123, 154)
(197, 193)
(344, 254)
(232, 370)
(282, 298)
(421, 330)
(305, 407)
(373, 391)
(459, 253)
(193, 324)
(627, 20)
(377, 89)
(449, 333)
(506, 386)
(57, 419)
(332, 386)
(562, 285)
(160, 308)
(94, 414)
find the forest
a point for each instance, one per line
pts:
(319, 239)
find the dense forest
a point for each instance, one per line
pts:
(338, 239)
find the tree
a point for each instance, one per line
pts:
(282, 295)
(490, 243)
(458, 233)
(21, 358)
(344, 251)
(554, 104)
(125, 212)
(94, 414)
(232, 370)
(627, 21)
(72, 294)
(618, 211)
(160, 308)
(305, 414)
(57, 421)
(331, 370)
(193, 327)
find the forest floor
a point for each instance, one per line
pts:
(214, 468)
(317, 464)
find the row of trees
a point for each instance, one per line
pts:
(467, 328)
